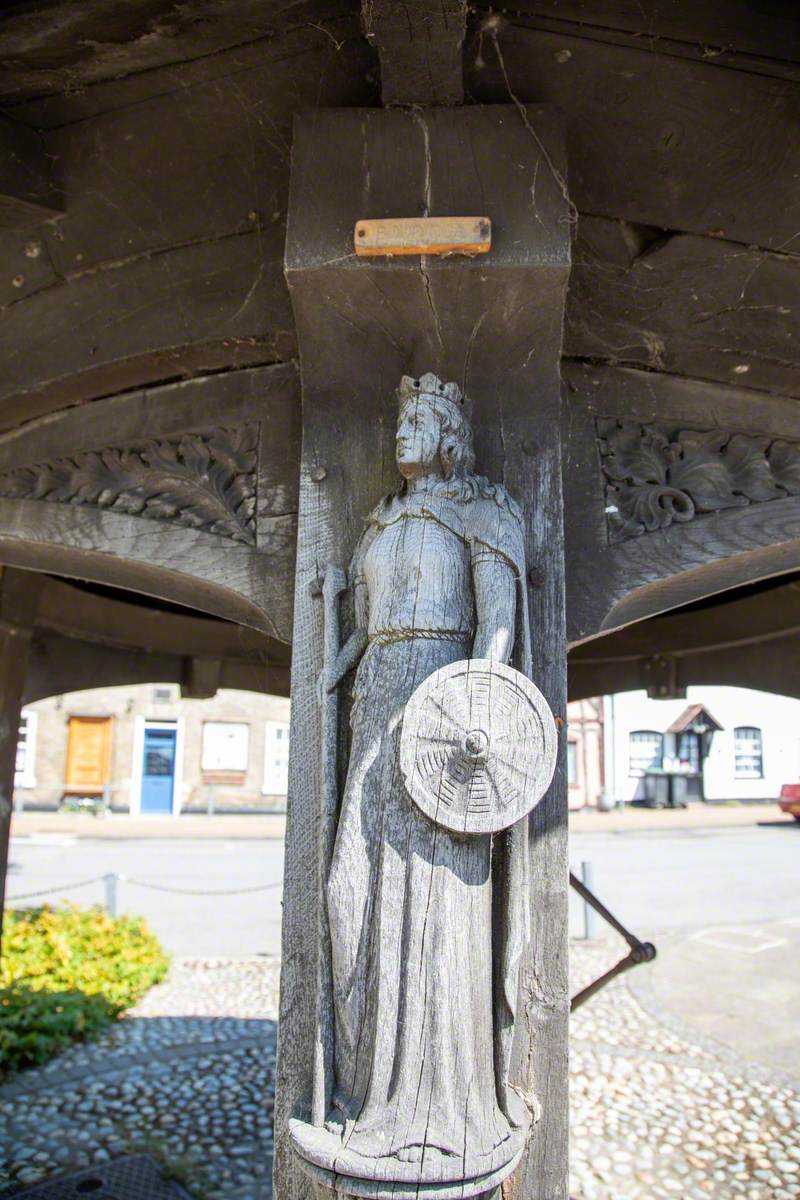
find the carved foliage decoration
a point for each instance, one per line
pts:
(199, 480)
(654, 478)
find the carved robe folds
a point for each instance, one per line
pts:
(427, 927)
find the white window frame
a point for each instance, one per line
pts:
(740, 753)
(572, 750)
(268, 749)
(26, 778)
(208, 767)
(640, 772)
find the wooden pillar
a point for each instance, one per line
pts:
(493, 324)
(19, 591)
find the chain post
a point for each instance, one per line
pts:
(589, 915)
(110, 882)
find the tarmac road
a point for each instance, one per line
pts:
(191, 922)
(722, 905)
(723, 908)
(684, 879)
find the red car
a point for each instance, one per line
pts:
(790, 799)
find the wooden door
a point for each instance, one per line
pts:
(88, 754)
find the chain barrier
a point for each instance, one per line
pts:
(61, 887)
(155, 887)
(160, 887)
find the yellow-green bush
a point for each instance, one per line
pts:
(65, 974)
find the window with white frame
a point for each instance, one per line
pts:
(24, 767)
(572, 764)
(225, 745)
(645, 751)
(276, 759)
(748, 754)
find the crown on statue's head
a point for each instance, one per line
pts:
(429, 385)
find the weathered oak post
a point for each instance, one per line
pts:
(19, 593)
(491, 324)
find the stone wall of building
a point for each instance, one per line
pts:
(42, 763)
(42, 778)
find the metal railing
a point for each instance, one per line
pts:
(640, 952)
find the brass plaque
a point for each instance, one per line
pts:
(423, 235)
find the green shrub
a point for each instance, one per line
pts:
(36, 1025)
(65, 974)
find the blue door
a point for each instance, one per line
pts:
(158, 770)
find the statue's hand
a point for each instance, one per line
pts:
(326, 683)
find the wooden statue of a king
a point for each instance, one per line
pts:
(426, 891)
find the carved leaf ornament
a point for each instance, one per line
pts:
(200, 480)
(654, 478)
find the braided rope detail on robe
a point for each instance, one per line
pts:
(384, 637)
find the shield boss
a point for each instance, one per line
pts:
(478, 746)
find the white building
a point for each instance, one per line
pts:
(725, 743)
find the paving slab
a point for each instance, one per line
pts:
(696, 816)
(658, 1112)
(737, 984)
(273, 825)
(117, 826)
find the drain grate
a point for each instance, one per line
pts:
(135, 1177)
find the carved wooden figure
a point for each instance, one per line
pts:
(427, 910)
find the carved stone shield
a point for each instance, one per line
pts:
(478, 746)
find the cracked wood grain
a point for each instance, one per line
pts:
(49, 93)
(361, 326)
(419, 45)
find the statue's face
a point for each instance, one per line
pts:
(419, 430)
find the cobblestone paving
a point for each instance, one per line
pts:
(189, 1075)
(654, 1114)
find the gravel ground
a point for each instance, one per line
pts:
(189, 1075)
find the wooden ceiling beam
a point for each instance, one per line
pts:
(697, 306)
(28, 194)
(654, 139)
(764, 35)
(419, 43)
(81, 614)
(62, 664)
(751, 639)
